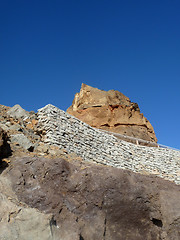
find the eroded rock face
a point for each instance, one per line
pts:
(17, 220)
(19, 127)
(90, 201)
(111, 111)
(17, 112)
(53, 194)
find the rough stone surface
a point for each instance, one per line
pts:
(88, 202)
(20, 128)
(17, 112)
(22, 140)
(17, 220)
(68, 132)
(59, 192)
(111, 111)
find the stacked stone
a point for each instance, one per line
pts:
(68, 132)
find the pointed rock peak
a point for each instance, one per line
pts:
(17, 112)
(93, 97)
(112, 111)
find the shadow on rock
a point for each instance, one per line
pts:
(5, 149)
(3, 166)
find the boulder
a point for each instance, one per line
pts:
(23, 141)
(111, 111)
(17, 112)
(88, 201)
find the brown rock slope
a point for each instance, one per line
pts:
(111, 111)
(70, 199)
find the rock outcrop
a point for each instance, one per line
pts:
(17, 112)
(71, 199)
(20, 128)
(111, 111)
(61, 179)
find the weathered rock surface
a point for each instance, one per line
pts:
(17, 220)
(49, 192)
(20, 128)
(111, 111)
(17, 112)
(23, 141)
(85, 201)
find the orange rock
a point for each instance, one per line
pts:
(32, 124)
(111, 111)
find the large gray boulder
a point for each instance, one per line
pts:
(23, 141)
(17, 112)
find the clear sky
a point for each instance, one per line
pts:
(48, 48)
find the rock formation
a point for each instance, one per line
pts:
(52, 192)
(72, 199)
(111, 111)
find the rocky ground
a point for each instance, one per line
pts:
(20, 134)
(46, 193)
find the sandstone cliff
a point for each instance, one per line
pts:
(111, 111)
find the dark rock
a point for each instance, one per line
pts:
(89, 201)
(5, 150)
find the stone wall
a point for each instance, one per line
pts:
(91, 144)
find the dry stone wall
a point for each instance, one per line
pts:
(91, 144)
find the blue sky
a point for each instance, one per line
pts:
(48, 48)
